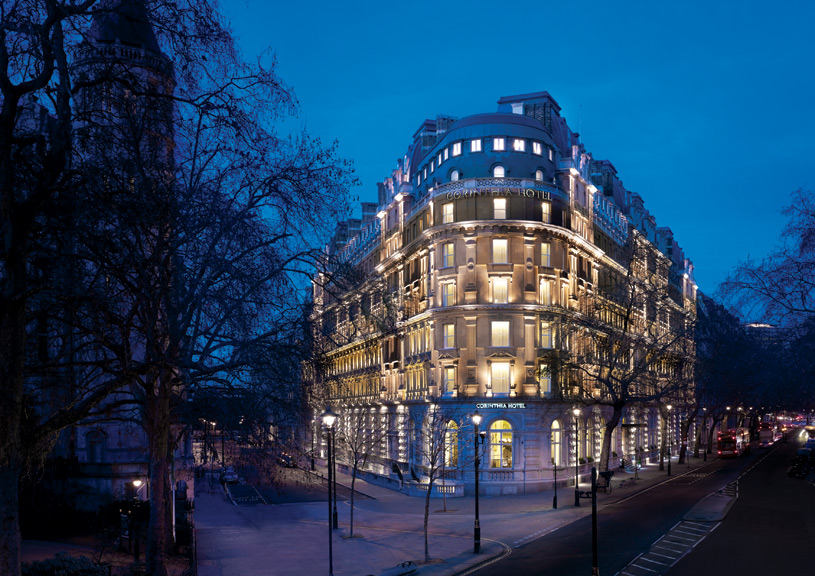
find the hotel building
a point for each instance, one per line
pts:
(488, 241)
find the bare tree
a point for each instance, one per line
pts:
(628, 343)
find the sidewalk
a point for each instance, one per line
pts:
(286, 539)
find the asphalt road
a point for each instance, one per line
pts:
(625, 529)
(769, 530)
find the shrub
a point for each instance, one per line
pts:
(64, 564)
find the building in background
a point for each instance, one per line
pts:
(490, 243)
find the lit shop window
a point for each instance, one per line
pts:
(457, 149)
(499, 172)
(499, 209)
(499, 337)
(447, 213)
(448, 294)
(498, 144)
(499, 251)
(449, 335)
(501, 445)
(519, 145)
(537, 148)
(500, 290)
(546, 208)
(546, 254)
(449, 255)
(475, 145)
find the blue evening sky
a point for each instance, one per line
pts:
(706, 109)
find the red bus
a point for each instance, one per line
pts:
(734, 442)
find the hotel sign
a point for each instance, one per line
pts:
(502, 405)
(525, 192)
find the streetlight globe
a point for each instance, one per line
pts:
(137, 483)
(576, 412)
(669, 407)
(477, 418)
(328, 417)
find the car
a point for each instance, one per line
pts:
(229, 476)
(286, 459)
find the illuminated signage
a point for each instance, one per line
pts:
(502, 405)
(525, 192)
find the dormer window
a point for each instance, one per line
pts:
(499, 172)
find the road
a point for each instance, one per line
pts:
(769, 530)
(625, 529)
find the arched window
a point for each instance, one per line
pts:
(539, 175)
(451, 445)
(501, 444)
(454, 176)
(557, 443)
(499, 172)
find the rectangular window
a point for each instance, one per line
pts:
(449, 258)
(447, 213)
(449, 379)
(545, 380)
(457, 149)
(537, 148)
(499, 335)
(519, 145)
(546, 293)
(418, 178)
(449, 335)
(547, 338)
(499, 209)
(446, 153)
(498, 144)
(500, 290)
(500, 377)
(546, 254)
(439, 161)
(424, 174)
(475, 145)
(547, 213)
(551, 155)
(432, 167)
(448, 294)
(499, 251)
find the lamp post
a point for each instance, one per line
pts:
(335, 522)
(313, 432)
(554, 498)
(328, 417)
(704, 434)
(670, 439)
(477, 526)
(576, 412)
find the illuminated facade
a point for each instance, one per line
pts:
(486, 242)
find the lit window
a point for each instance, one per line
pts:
(449, 335)
(449, 257)
(499, 172)
(499, 337)
(449, 379)
(418, 178)
(446, 153)
(439, 160)
(501, 444)
(498, 144)
(448, 294)
(457, 149)
(547, 339)
(500, 290)
(546, 293)
(475, 145)
(451, 445)
(547, 212)
(557, 443)
(545, 381)
(551, 155)
(519, 145)
(447, 213)
(539, 175)
(424, 174)
(454, 176)
(499, 251)
(546, 254)
(499, 209)
(537, 148)
(432, 167)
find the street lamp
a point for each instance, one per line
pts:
(477, 526)
(576, 412)
(670, 439)
(313, 433)
(328, 417)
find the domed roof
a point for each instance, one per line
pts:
(124, 21)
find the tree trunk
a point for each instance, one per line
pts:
(663, 442)
(427, 517)
(605, 451)
(157, 419)
(353, 482)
